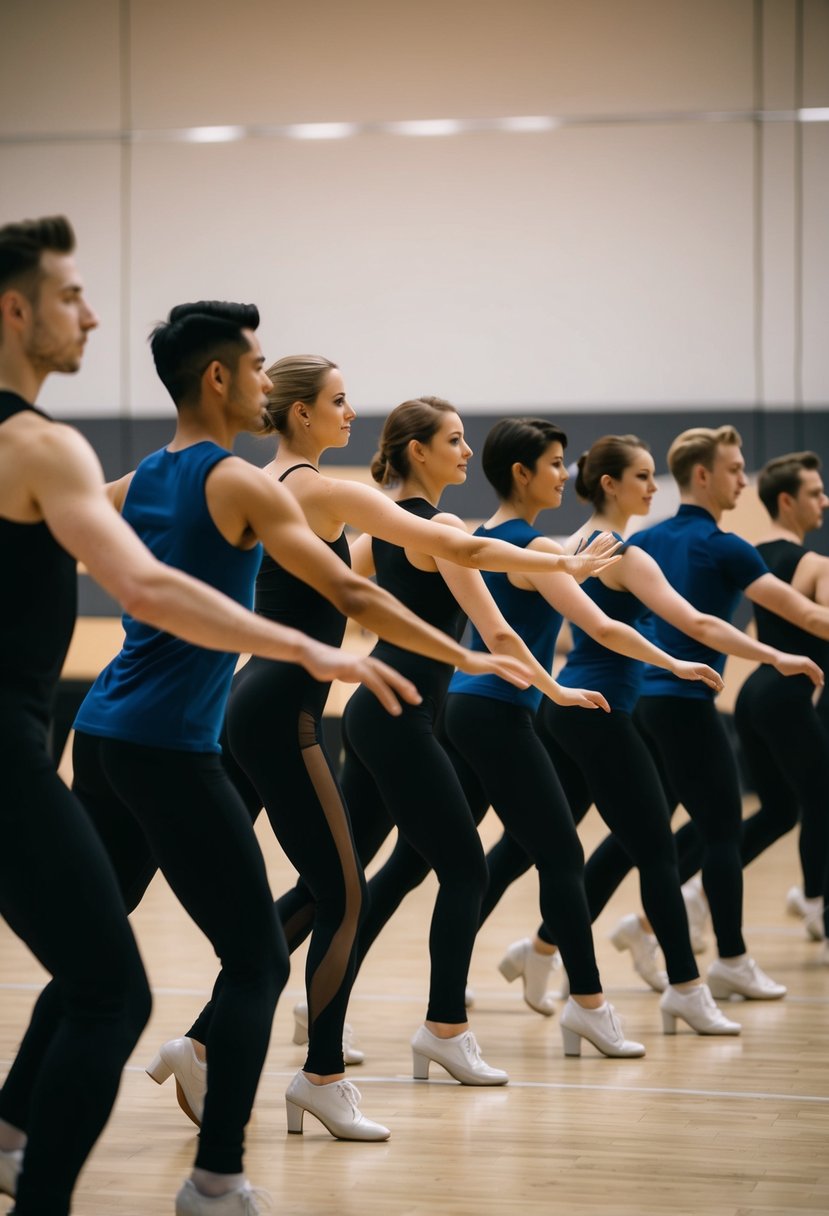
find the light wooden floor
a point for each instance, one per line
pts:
(725, 1127)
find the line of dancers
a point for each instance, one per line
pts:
(175, 756)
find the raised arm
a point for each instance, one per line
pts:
(639, 574)
(370, 511)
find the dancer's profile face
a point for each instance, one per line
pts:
(59, 316)
(447, 453)
(810, 501)
(249, 385)
(727, 479)
(331, 414)
(546, 485)
(634, 490)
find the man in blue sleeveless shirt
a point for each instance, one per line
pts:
(147, 758)
(712, 569)
(53, 510)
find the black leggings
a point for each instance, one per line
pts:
(59, 895)
(177, 811)
(618, 774)
(274, 731)
(500, 740)
(689, 736)
(786, 747)
(415, 783)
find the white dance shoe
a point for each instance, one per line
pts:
(335, 1104)
(535, 969)
(742, 977)
(697, 1007)
(696, 909)
(601, 1027)
(629, 935)
(244, 1201)
(11, 1163)
(351, 1054)
(809, 910)
(178, 1058)
(460, 1056)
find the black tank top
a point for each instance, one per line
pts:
(282, 597)
(428, 596)
(782, 558)
(38, 608)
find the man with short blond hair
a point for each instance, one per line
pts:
(712, 569)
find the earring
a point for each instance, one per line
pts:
(307, 423)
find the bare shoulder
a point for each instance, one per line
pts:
(812, 568)
(546, 544)
(237, 490)
(39, 459)
(447, 517)
(235, 483)
(38, 441)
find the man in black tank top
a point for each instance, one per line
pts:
(783, 736)
(54, 510)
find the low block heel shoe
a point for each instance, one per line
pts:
(601, 1027)
(697, 1007)
(246, 1200)
(460, 1056)
(535, 970)
(643, 947)
(351, 1054)
(742, 977)
(335, 1104)
(177, 1058)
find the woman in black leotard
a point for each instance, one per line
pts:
(278, 703)
(422, 449)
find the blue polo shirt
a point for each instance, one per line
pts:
(711, 569)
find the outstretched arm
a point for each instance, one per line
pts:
(641, 575)
(66, 486)
(772, 593)
(565, 595)
(275, 517)
(471, 592)
(370, 511)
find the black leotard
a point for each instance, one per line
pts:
(274, 730)
(402, 759)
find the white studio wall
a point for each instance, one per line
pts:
(646, 244)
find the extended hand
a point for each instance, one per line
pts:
(326, 663)
(799, 665)
(583, 698)
(698, 671)
(482, 663)
(593, 558)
